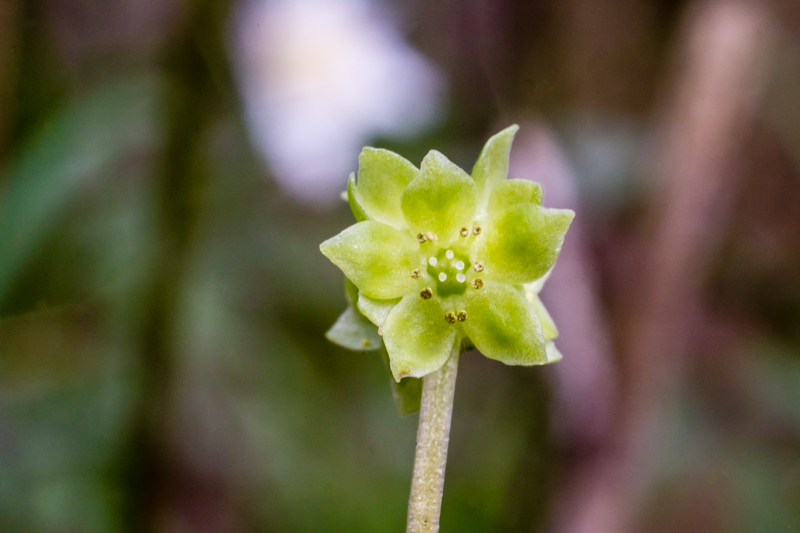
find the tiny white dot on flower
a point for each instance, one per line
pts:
(432, 261)
(449, 254)
(461, 277)
(442, 276)
(459, 265)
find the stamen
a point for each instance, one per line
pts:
(476, 230)
(422, 238)
(462, 316)
(477, 283)
(464, 231)
(380, 331)
(442, 276)
(449, 254)
(416, 273)
(450, 317)
(478, 266)
(461, 277)
(459, 265)
(433, 261)
(431, 236)
(426, 293)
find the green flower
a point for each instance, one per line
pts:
(440, 257)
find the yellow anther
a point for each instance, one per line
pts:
(450, 317)
(477, 283)
(431, 236)
(426, 293)
(462, 316)
(416, 273)
(478, 266)
(380, 331)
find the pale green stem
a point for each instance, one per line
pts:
(433, 435)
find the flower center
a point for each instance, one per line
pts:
(449, 268)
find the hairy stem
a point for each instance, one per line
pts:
(433, 435)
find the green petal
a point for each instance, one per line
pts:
(377, 258)
(513, 192)
(352, 197)
(549, 328)
(553, 355)
(521, 243)
(417, 337)
(351, 293)
(503, 325)
(354, 332)
(382, 178)
(442, 199)
(376, 310)
(492, 165)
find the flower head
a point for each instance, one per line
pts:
(439, 256)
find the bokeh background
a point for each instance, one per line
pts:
(169, 167)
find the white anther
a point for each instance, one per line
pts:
(432, 261)
(449, 254)
(461, 278)
(442, 276)
(459, 265)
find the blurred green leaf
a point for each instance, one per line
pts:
(73, 150)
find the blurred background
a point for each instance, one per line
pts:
(168, 169)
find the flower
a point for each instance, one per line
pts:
(440, 257)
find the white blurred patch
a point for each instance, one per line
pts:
(320, 78)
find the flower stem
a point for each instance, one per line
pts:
(433, 435)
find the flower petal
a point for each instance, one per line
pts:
(503, 325)
(492, 165)
(382, 178)
(553, 355)
(354, 332)
(521, 243)
(377, 258)
(549, 328)
(376, 310)
(352, 198)
(513, 192)
(417, 337)
(441, 199)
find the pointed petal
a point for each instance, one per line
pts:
(492, 165)
(513, 192)
(377, 258)
(417, 337)
(441, 199)
(549, 328)
(382, 178)
(352, 198)
(354, 332)
(535, 287)
(503, 325)
(553, 355)
(376, 310)
(520, 244)
(351, 292)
